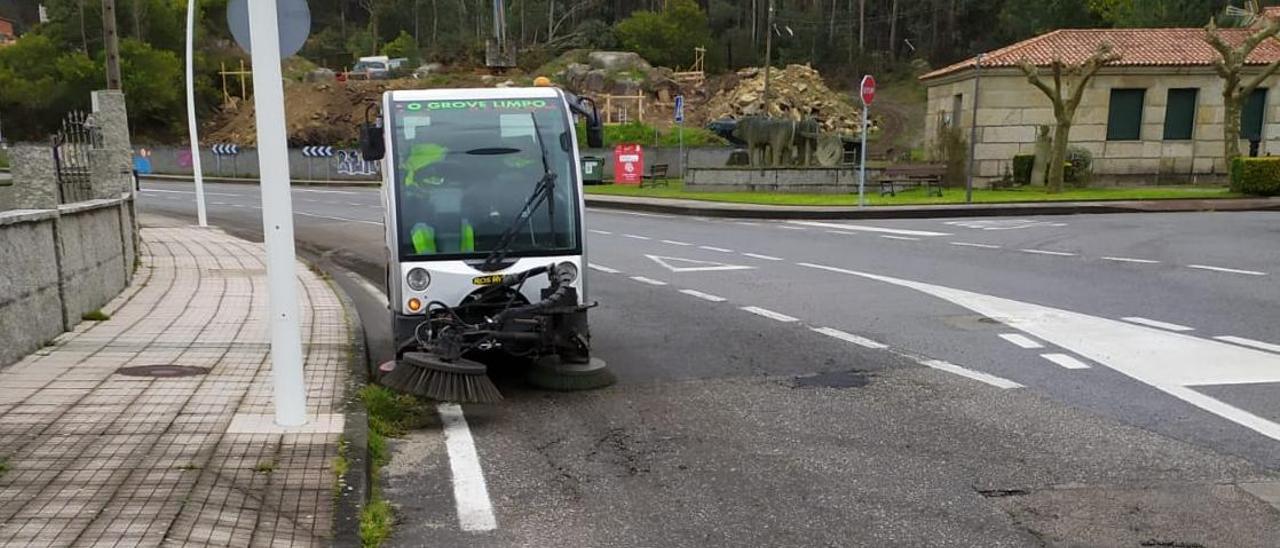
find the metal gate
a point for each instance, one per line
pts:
(71, 146)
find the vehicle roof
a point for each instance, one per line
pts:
(474, 93)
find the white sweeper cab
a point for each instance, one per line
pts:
(486, 251)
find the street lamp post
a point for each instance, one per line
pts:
(193, 132)
(973, 130)
(768, 57)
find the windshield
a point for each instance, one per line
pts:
(368, 65)
(465, 168)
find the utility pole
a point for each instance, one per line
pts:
(973, 130)
(768, 56)
(862, 25)
(193, 130)
(111, 41)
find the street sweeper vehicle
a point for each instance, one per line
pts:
(486, 253)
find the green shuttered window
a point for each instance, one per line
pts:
(1124, 118)
(1180, 114)
(1251, 117)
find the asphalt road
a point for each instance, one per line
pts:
(1095, 380)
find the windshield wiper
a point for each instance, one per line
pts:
(543, 191)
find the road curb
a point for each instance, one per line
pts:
(244, 181)
(748, 211)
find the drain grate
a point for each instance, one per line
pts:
(835, 379)
(162, 371)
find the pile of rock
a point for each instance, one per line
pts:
(795, 92)
(619, 73)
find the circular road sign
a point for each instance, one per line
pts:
(868, 89)
(293, 16)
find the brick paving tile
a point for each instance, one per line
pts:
(97, 458)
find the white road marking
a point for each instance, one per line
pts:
(676, 242)
(1170, 362)
(1227, 270)
(849, 337)
(649, 281)
(1130, 260)
(1000, 224)
(842, 232)
(703, 296)
(769, 314)
(637, 213)
(219, 203)
(475, 511)
(374, 291)
(1065, 361)
(601, 268)
(764, 257)
(746, 223)
(604, 232)
(324, 191)
(970, 244)
(711, 248)
(305, 214)
(892, 237)
(998, 382)
(1250, 342)
(358, 204)
(1157, 324)
(635, 236)
(189, 192)
(1045, 252)
(789, 227)
(866, 228)
(1020, 340)
(679, 264)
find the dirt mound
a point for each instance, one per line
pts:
(795, 92)
(326, 113)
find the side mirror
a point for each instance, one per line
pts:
(372, 144)
(595, 133)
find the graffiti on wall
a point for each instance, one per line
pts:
(351, 163)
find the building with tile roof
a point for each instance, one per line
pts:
(1154, 115)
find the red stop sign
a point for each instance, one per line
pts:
(868, 89)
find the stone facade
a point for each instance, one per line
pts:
(35, 182)
(1010, 108)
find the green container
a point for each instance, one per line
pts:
(592, 170)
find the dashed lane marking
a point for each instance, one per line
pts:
(1130, 260)
(649, 281)
(850, 337)
(635, 237)
(763, 257)
(769, 314)
(1157, 324)
(1021, 341)
(979, 376)
(789, 227)
(842, 232)
(713, 248)
(676, 242)
(1065, 361)
(343, 219)
(475, 511)
(971, 244)
(1047, 252)
(867, 228)
(892, 237)
(602, 232)
(1250, 342)
(1227, 270)
(703, 296)
(601, 268)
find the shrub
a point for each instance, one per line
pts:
(1022, 167)
(1079, 168)
(952, 149)
(1257, 176)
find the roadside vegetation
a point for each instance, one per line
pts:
(675, 189)
(391, 415)
(95, 316)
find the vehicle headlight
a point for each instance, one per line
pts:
(418, 279)
(571, 269)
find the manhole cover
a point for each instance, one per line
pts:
(834, 379)
(162, 371)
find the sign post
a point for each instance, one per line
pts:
(193, 131)
(680, 130)
(277, 216)
(868, 91)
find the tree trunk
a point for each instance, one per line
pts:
(1058, 153)
(1231, 125)
(893, 31)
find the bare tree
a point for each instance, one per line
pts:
(1235, 88)
(1065, 91)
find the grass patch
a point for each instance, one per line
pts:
(4, 465)
(4, 160)
(376, 520)
(265, 467)
(95, 316)
(390, 415)
(918, 197)
(648, 135)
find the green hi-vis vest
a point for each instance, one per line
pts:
(420, 156)
(424, 239)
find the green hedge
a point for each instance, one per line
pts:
(1022, 166)
(644, 134)
(1257, 176)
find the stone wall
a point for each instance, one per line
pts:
(803, 180)
(1010, 108)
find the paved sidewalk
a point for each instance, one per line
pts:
(98, 457)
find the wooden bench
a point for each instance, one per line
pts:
(657, 175)
(904, 176)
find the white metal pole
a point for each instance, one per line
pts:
(192, 131)
(680, 129)
(277, 216)
(862, 161)
(973, 130)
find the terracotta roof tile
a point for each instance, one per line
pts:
(1137, 47)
